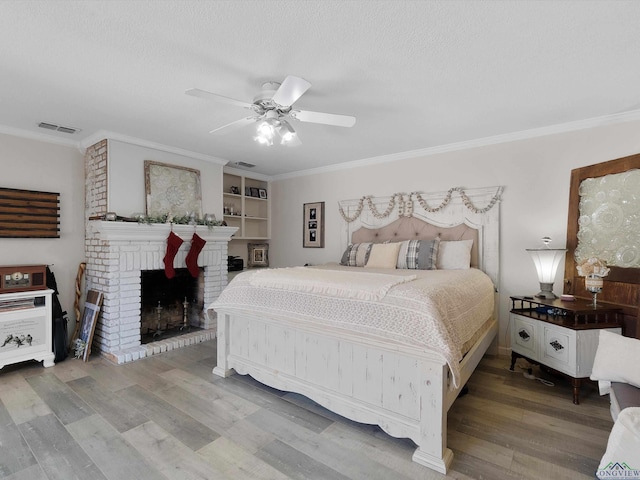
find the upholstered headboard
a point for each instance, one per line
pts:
(411, 228)
(458, 214)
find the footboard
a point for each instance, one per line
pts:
(400, 388)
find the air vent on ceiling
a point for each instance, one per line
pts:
(57, 128)
(244, 164)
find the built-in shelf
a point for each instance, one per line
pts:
(247, 206)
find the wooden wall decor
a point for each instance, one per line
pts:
(29, 214)
(622, 285)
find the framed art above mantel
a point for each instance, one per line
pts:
(172, 190)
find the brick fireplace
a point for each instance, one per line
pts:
(117, 253)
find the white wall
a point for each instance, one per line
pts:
(34, 165)
(534, 172)
(126, 178)
(31, 164)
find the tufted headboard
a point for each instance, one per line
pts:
(411, 228)
(458, 214)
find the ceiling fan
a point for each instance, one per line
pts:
(272, 109)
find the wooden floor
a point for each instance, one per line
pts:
(168, 417)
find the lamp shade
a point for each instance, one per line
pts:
(546, 261)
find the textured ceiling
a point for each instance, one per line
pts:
(415, 74)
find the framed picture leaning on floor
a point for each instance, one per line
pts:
(82, 343)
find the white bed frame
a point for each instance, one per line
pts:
(403, 389)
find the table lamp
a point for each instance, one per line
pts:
(546, 260)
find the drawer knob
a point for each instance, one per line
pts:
(523, 334)
(556, 345)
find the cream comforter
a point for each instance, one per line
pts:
(439, 310)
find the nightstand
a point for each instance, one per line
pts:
(561, 335)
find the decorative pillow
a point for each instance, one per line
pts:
(617, 359)
(360, 254)
(418, 254)
(428, 254)
(454, 255)
(383, 255)
(402, 255)
(356, 255)
(624, 443)
(345, 256)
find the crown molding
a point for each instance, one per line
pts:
(104, 134)
(247, 173)
(605, 120)
(42, 137)
(100, 135)
(82, 145)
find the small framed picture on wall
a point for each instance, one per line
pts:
(313, 225)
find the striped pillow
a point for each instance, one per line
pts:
(356, 255)
(418, 254)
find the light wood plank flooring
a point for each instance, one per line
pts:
(168, 417)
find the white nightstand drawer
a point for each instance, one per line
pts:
(523, 335)
(558, 348)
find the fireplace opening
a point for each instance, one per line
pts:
(170, 307)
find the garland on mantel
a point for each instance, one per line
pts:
(209, 220)
(405, 206)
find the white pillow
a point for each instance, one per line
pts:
(617, 359)
(454, 255)
(623, 444)
(383, 255)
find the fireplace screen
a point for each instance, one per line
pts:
(170, 307)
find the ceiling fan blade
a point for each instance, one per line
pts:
(290, 90)
(230, 127)
(196, 92)
(325, 118)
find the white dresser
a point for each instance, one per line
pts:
(26, 327)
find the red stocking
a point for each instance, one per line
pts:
(192, 257)
(173, 244)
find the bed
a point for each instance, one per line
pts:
(331, 332)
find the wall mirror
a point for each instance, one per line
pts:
(604, 222)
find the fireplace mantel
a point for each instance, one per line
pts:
(105, 230)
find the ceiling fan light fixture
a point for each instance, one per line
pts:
(286, 132)
(287, 138)
(263, 140)
(270, 127)
(271, 106)
(266, 129)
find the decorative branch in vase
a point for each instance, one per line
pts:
(593, 270)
